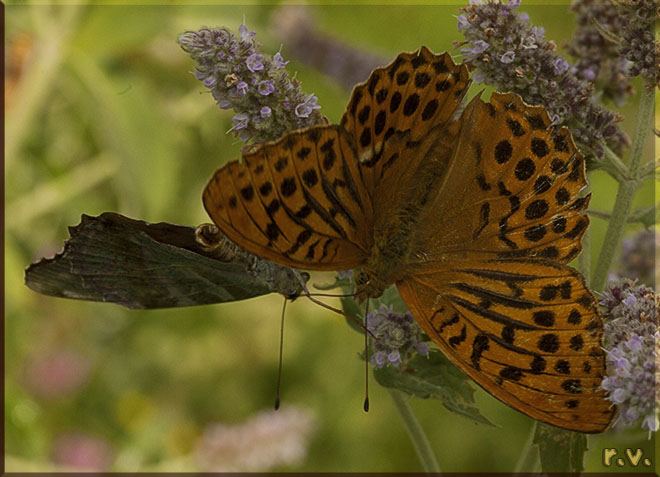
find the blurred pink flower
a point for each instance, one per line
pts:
(266, 441)
(82, 451)
(56, 374)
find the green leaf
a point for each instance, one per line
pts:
(434, 378)
(350, 306)
(390, 297)
(560, 450)
(112, 258)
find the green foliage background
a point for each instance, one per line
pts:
(104, 115)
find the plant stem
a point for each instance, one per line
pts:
(529, 458)
(415, 431)
(626, 193)
(615, 166)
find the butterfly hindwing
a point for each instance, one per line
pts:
(527, 331)
(298, 201)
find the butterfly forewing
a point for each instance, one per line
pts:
(298, 201)
(526, 331)
(515, 189)
(415, 93)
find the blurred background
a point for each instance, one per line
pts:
(103, 114)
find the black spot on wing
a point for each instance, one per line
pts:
(363, 115)
(503, 151)
(402, 78)
(411, 105)
(422, 79)
(395, 101)
(288, 187)
(310, 178)
(430, 109)
(540, 147)
(515, 127)
(479, 345)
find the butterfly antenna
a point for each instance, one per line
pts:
(366, 359)
(324, 305)
(331, 308)
(332, 295)
(279, 367)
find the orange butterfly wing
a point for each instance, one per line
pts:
(489, 285)
(526, 331)
(306, 200)
(394, 110)
(486, 279)
(298, 201)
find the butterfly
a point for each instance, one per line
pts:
(474, 216)
(112, 258)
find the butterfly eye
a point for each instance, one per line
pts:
(361, 278)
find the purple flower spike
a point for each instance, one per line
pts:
(635, 343)
(561, 66)
(266, 87)
(479, 47)
(254, 62)
(378, 359)
(245, 34)
(520, 60)
(240, 121)
(254, 85)
(210, 82)
(508, 57)
(463, 22)
(633, 352)
(278, 61)
(304, 109)
(629, 300)
(242, 88)
(394, 358)
(398, 337)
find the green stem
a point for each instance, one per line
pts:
(415, 431)
(626, 193)
(615, 166)
(529, 458)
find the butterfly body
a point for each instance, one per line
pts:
(473, 217)
(396, 245)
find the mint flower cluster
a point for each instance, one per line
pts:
(598, 60)
(633, 352)
(398, 337)
(636, 41)
(613, 43)
(256, 86)
(508, 52)
(637, 260)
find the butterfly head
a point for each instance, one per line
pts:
(367, 285)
